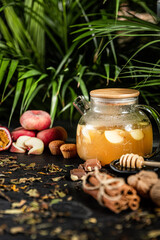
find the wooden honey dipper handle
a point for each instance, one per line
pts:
(151, 164)
(131, 160)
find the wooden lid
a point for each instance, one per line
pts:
(114, 93)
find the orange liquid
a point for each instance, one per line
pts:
(108, 144)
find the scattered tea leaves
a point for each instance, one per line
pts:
(53, 168)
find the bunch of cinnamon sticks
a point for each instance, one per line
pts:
(110, 192)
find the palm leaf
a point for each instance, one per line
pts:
(30, 73)
(34, 91)
(81, 83)
(73, 97)
(31, 89)
(3, 68)
(11, 71)
(18, 90)
(54, 100)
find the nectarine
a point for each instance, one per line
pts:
(34, 145)
(35, 120)
(20, 131)
(49, 135)
(15, 149)
(25, 143)
(63, 133)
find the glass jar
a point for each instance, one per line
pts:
(113, 125)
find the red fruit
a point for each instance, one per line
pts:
(20, 131)
(16, 149)
(35, 120)
(63, 133)
(5, 138)
(49, 135)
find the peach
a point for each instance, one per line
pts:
(35, 120)
(20, 131)
(21, 142)
(49, 135)
(63, 132)
(35, 145)
(24, 143)
(16, 149)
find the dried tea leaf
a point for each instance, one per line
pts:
(14, 181)
(5, 196)
(14, 188)
(154, 233)
(32, 165)
(33, 193)
(2, 180)
(53, 168)
(7, 172)
(2, 175)
(55, 201)
(60, 193)
(22, 164)
(56, 231)
(12, 211)
(18, 204)
(15, 230)
(42, 173)
(69, 165)
(43, 232)
(31, 179)
(91, 220)
(3, 227)
(24, 187)
(69, 198)
(56, 179)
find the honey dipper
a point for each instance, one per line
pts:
(131, 160)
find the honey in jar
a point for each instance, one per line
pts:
(114, 125)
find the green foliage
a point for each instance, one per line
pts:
(132, 46)
(54, 50)
(38, 56)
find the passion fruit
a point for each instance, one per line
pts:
(5, 138)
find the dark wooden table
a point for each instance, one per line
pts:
(39, 201)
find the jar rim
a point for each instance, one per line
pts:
(114, 93)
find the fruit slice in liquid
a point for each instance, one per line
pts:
(108, 144)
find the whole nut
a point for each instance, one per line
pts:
(143, 188)
(132, 180)
(143, 181)
(155, 193)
